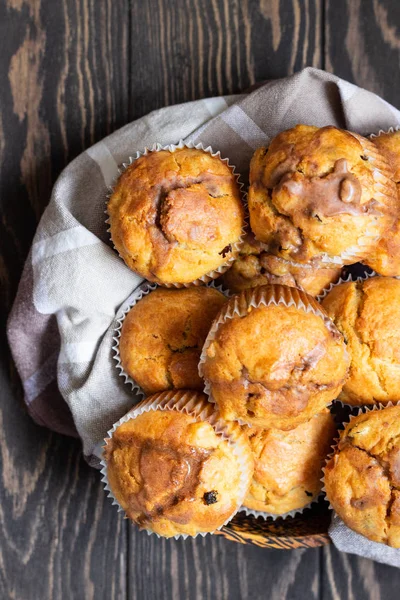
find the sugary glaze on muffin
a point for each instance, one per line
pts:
(368, 315)
(288, 464)
(172, 474)
(163, 334)
(320, 194)
(176, 216)
(274, 365)
(256, 266)
(385, 258)
(362, 479)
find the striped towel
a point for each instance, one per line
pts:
(61, 326)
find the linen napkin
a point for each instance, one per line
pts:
(61, 326)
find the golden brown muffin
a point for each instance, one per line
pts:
(385, 258)
(172, 473)
(321, 194)
(368, 315)
(163, 334)
(176, 216)
(255, 266)
(271, 364)
(362, 479)
(288, 464)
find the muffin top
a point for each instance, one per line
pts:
(273, 358)
(255, 266)
(385, 258)
(172, 474)
(163, 334)
(288, 464)
(176, 216)
(368, 315)
(320, 194)
(362, 479)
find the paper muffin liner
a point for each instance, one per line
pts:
(358, 410)
(156, 147)
(383, 132)
(350, 277)
(269, 295)
(273, 517)
(189, 403)
(142, 290)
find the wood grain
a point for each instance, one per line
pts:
(71, 72)
(212, 47)
(363, 44)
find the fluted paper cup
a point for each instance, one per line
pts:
(189, 403)
(234, 252)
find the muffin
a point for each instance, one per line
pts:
(362, 479)
(385, 258)
(321, 195)
(175, 468)
(163, 334)
(176, 216)
(255, 266)
(368, 315)
(273, 358)
(288, 465)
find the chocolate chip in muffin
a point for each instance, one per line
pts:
(210, 497)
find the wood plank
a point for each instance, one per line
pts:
(363, 44)
(184, 50)
(213, 568)
(349, 577)
(63, 82)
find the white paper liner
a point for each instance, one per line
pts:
(382, 132)
(238, 304)
(274, 517)
(350, 277)
(171, 148)
(189, 402)
(143, 289)
(360, 410)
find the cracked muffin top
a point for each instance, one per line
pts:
(288, 464)
(368, 315)
(362, 479)
(172, 473)
(176, 216)
(256, 266)
(163, 334)
(385, 258)
(273, 358)
(321, 194)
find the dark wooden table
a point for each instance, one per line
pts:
(72, 71)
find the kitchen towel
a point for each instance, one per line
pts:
(61, 326)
